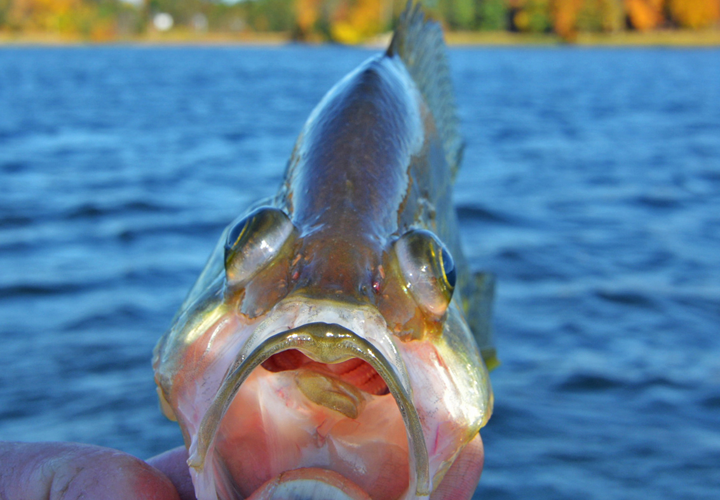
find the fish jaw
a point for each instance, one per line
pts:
(309, 483)
(312, 434)
(285, 431)
(229, 418)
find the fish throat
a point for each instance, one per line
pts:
(329, 395)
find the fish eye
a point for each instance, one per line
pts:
(448, 267)
(253, 242)
(428, 270)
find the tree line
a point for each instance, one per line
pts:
(347, 21)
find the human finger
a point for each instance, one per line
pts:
(173, 464)
(50, 471)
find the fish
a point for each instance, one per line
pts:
(336, 344)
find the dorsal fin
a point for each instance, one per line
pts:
(419, 43)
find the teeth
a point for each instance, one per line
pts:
(330, 392)
(303, 484)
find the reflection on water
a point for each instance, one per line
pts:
(590, 187)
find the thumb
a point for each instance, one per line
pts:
(50, 471)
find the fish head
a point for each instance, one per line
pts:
(303, 358)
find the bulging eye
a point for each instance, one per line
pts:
(428, 270)
(253, 242)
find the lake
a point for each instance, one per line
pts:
(590, 187)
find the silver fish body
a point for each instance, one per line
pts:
(327, 342)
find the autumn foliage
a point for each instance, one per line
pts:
(351, 21)
(355, 21)
(644, 15)
(694, 13)
(64, 17)
(565, 17)
(348, 21)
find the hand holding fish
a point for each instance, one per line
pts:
(50, 471)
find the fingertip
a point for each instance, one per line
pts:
(109, 475)
(173, 464)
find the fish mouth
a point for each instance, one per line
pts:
(309, 483)
(343, 380)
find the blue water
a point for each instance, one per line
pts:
(591, 187)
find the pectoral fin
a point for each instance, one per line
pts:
(478, 310)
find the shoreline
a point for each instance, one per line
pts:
(667, 38)
(660, 38)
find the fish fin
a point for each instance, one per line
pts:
(478, 310)
(419, 44)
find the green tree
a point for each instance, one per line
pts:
(493, 15)
(531, 16)
(271, 15)
(600, 15)
(463, 14)
(4, 12)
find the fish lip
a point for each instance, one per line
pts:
(335, 486)
(325, 343)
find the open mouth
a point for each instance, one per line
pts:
(316, 411)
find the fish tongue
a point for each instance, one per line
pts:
(310, 482)
(330, 392)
